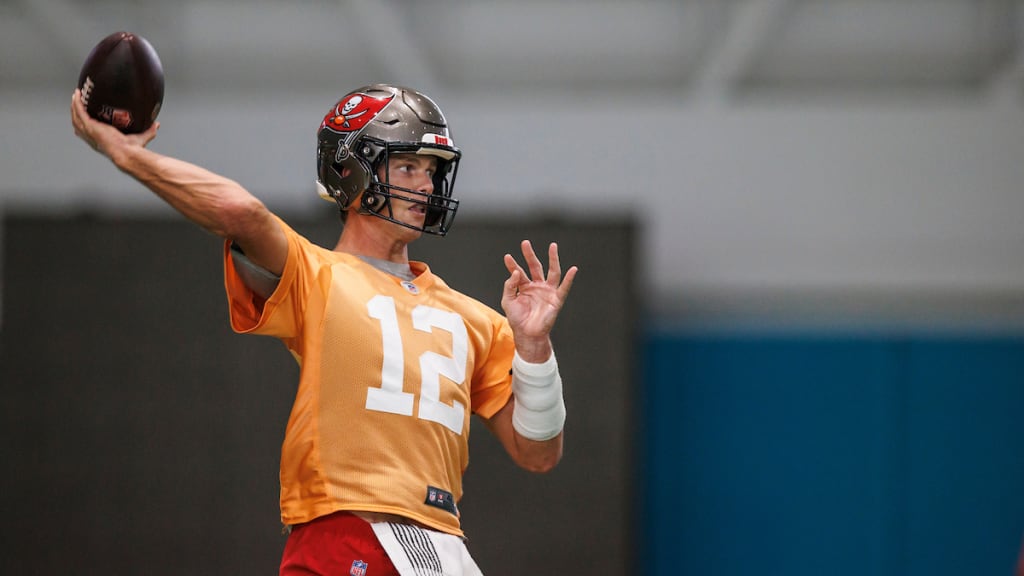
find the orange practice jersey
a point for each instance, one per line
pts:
(390, 374)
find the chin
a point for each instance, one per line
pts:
(415, 220)
(412, 233)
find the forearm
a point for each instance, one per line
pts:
(537, 456)
(538, 412)
(215, 203)
(534, 455)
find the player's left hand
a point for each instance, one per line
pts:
(531, 301)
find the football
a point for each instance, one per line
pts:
(122, 82)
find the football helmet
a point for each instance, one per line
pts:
(360, 133)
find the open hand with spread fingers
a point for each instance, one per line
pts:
(531, 301)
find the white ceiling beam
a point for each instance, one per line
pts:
(749, 27)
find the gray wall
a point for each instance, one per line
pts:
(844, 202)
(854, 161)
(141, 436)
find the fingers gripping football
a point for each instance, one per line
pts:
(103, 137)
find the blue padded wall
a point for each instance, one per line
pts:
(808, 455)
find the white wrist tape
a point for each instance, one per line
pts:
(539, 412)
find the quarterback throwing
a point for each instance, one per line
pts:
(394, 362)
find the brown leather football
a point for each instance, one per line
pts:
(122, 82)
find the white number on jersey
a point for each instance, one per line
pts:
(390, 397)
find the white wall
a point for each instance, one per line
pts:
(883, 209)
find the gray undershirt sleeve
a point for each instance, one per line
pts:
(258, 279)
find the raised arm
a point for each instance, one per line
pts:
(530, 424)
(215, 203)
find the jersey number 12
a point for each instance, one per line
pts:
(391, 397)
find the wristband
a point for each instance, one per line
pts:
(539, 411)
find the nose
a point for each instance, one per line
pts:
(425, 184)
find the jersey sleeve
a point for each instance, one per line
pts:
(492, 381)
(280, 315)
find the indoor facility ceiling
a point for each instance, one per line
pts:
(706, 48)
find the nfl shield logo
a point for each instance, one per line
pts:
(358, 568)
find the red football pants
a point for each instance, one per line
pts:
(338, 544)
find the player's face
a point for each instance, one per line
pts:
(413, 172)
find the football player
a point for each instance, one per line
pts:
(393, 360)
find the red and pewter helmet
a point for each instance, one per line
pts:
(360, 133)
